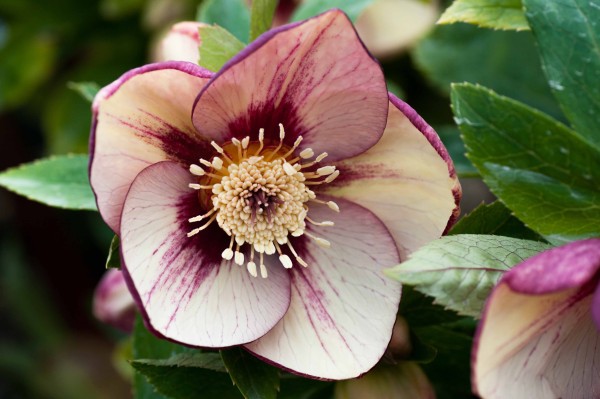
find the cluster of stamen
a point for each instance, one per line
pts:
(259, 196)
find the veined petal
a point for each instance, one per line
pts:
(181, 43)
(407, 180)
(140, 119)
(187, 292)
(113, 303)
(537, 337)
(343, 308)
(315, 77)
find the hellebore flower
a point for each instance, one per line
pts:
(233, 230)
(113, 303)
(540, 332)
(181, 43)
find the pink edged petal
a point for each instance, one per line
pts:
(569, 266)
(343, 308)
(315, 77)
(542, 346)
(407, 180)
(113, 304)
(187, 292)
(181, 43)
(140, 119)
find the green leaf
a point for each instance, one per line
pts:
(540, 169)
(261, 17)
(310, 8)
(190, 375)
(495, 14)
(294, 387)
(450, 136)
(87, 90)
(501, 60)
(568, 34)
(113, 261)
(459, 271)
(450, 371)
(60, 181)
(218, 46)
(419, 310)
(147, 346)
(233, 15)
(254, 378)
(496, 219)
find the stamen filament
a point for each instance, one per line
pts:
(263, 269)
(320, 241)
(200, 217)
(261, 140)
(326, 223)
(298, 258)
(291, 151)
(221, 151)
(205, 163)
(238, 144)
(200, 187)
(281, 137)
(199, 229)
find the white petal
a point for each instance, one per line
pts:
(343, 308)
(188, 293)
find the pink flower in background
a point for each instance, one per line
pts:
(113, 303)
(180, 43)
(387, 27)
(540, 332)
(258, 206)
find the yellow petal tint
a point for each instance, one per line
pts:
(407, 180)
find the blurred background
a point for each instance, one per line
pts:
(51, 260)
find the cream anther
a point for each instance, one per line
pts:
(325, 223)
(205, 163)
(227, 254)
(239, 258)
(253, 160)
(196, 170)
(217, 147)
(217, 163)
(321, 157)
(285, 261)
(289, 169)
(263, 271)
(297, 233)
(281, 132)
(307, 153)
(320, 241)
(326, 170)
(200, 217)
(332, 176)
(251, 266)
(245, 142)
(333, 206)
